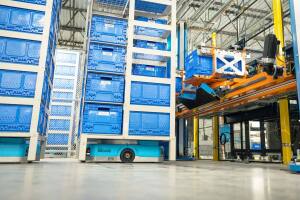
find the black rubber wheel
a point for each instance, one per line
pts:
(127, 156)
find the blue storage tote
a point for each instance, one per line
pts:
(61, 110)
(66, 58)
(62, 83)
(119, 3)
(22, 20)
(65, 70)
(19, 51)
(62, 96)
(149, 70)
(150, 7)
(57, 139)
(46, 92)
(49, 67)
(102, 119)
(149, 123)
(178, 84)
(106, 58)
(15, 118)
(104, 88)
(13, 147)
(147, 19)
(43, 121)
(154, 94)
(152, 32)
(150, 45)
(17, 83)
(59, 124)
(198, 65)
(108, 30)
(40, 2)
(149, 57)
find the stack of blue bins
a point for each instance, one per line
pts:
(104, 81)
(146, 93)
(19, 51)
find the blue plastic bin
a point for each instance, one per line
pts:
(13, 147)
(105, 58)
(15, 118)
(178, 84)
(149, 124)
(150, 45)
(149, 70)
(153, 94)
(61, 110)
(17, 83)
(105, 88)
(198, 65)
(65, 70)
(152, 32)
(59, 124)
(43, 121)
(102, 119)
(57, 139)
(62, 96)
(19, 51)
(221, 64)
(49, 66)
(62, 83)
(46, 92)
(108, 30)
(119, 3)
(66, 58)
(40, 2)
(147, 19)
(143, 56)
(22, 20)
(150, 7)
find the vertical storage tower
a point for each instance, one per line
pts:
(28, 30)
(62, 129)
(128, 109)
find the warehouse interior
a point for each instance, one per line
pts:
(155, 99)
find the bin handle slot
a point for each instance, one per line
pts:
(103, 109)
(106, 78)
(108, 49)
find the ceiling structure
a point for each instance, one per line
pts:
(232, 20)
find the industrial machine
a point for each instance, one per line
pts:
(226, 82)
(294, 166)
(125, 151)
(16, 150)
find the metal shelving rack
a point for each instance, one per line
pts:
(57, 146)
(170, 15)
(33, 136)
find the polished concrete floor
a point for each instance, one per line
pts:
(68, 179)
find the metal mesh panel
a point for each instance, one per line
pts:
(206, 138)
(62, 134)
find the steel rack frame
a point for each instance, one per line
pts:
(172, 55)
(33, 136)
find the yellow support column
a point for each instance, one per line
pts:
(216, 138)
(196, 137)
(285, 130)
(279, 32)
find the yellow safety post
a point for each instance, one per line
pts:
(279, 32)
(216, 138)
(214, 39)
(196, 137)
(213, 49)
(285, 130)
